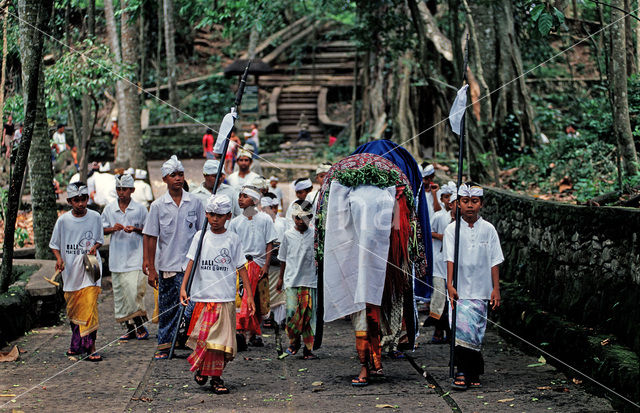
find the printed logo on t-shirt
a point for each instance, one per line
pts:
(212, 265)
(83, 246)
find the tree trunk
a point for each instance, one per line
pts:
(34, 18)
(404, 115)
(618, 82)
(628, 30)
(5, 16)
(170, 48)
(159, 50)
(88, 122)
(130, 140)
(91, 17)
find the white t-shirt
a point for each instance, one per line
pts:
(297, 251)
(143, 193)
(237, 182)
(441, 220)
(479, 251)
(74, 237)
(255, 234)
(280, 225)
(105, 187)
(174, 226)
(60, 140)
(215, 276)
(125, 249)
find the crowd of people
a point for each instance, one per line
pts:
(254, 266)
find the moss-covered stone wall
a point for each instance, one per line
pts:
(580, 263)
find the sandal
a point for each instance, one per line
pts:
(161, 355)
(360, 382)
(201, 380)
(291, 351)
(142, 336)
(127, 336)
(95, 357)
(218, 387)
(460, 382)
(474, 383)
(310, 356)
(377, 374)
(396, 355)
(439, 340)
(72, 353)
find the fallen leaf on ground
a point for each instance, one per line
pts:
(577, 381)
(7, 395)
(386, 406)
(303, 369)
(542, 360)
(506, 400)
(544, 388)
(605, 342)
(317, 383)
(11, 355)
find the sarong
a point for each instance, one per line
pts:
(301, 314)
(169, 307)
(438, 298)
(212, 336)
(277, 298)
(471, 323)
(82, 309)
(368, 336)
(128, 294)
(243, 320)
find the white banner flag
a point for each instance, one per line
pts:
(457, 110)
(225, 128)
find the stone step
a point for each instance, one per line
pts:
(297, 106)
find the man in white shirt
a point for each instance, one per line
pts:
(204, 190)
(143, 193)
(321, 172)
(273, 188)
(244, 174)
(173, 220)
(105, 186)
(60, 139)
(123, 220)
(430, 189)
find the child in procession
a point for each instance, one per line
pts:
(212, 331)
(478, 284)
(76, 233)
(299, 279)
(123, 220)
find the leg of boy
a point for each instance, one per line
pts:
(168, 300)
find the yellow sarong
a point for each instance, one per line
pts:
(82, 308)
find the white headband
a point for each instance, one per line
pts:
(273, 178)
(268, 202)
(428, 170)
(171, 166)
(105, 168)
(130, 171)
(211, 167)
(323, 168)
(141, 174)
(252, 192)
(302, 185)
(125, 181)
(454, 196)
(297, 211)
(74, 191)
(218, 204)
(243, 151)
(259, 182)
(466, 190)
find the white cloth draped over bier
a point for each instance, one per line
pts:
(358, 226)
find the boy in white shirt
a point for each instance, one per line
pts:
(437, 308)
(430, 189)
(172, 221)
(76, 233)
(273, 188)
(143, 193)
(255, 229)
(299, 278)
(302, 187)
(212, 332)
(478, 283)
(124, 220)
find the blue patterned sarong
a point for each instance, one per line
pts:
(471, 323)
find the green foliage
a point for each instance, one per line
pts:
(4, 199)
(21, 236)
(544, 16)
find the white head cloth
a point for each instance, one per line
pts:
(106, 167)
(171, 166)
(428, 170)
(252, 192)
(210, 167)
(130, 171)
(297, 211)
(268, 202)
(466, 190)
(454, 196)
(447, 189)
(218, 204)
(244, 151)
(273, 178)
(141, 174)
(323, 168)
(125, 181)
(73, 190)
(303, 184)
(259, 182)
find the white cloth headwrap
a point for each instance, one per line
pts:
(304, 184)
(171, 166)
(105, 168)
(297, 211)
(259, 182)
(225, 128)
(73, 190)
(447, 189)
(268, 202)
(130, 171)
(428, 170)
(273, 178)
(218, 204)
(252, 192)
(323, 168)
(210, 167)
(466, 190)
(125, 181)
(141, 174)
(454, 196)
(244, 151)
